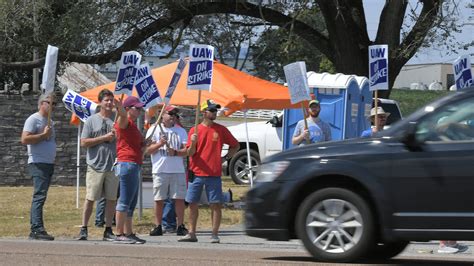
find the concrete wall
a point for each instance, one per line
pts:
(14, 110)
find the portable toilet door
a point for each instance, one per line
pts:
(365, 104)
(338, 95)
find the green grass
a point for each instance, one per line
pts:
(63, 219)
(412, 100)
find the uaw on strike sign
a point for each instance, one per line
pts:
(462, 72)
(79, 105)
(200, 67)
(378, 67)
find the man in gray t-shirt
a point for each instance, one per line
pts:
(98, 137)
(317, 130)
(39, 136)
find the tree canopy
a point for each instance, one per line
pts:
(98, 32)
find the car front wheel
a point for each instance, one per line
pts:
(335, 224)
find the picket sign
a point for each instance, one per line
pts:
(79, 105)
(200, 72)
(49, 75)
(295, 74)
(147, 90)
(378, 71)
(462, 72)
(128, 65)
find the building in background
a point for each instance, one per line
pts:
(420, 76)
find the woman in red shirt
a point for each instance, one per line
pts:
(129, 160)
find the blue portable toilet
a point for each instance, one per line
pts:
(338, 95)
(365, 104)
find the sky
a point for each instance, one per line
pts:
(373, 9)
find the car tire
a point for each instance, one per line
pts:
(388, 250)
(238, 164)
(336, 225)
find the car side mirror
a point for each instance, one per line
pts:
(410, 140)
(275, 121)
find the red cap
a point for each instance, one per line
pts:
(132, 101)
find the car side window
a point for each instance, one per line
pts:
(454, 122)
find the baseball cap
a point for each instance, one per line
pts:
(209, 104)
(132, 101)
(171, 109)
(313, 102)
(380, 111)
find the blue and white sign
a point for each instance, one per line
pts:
(146, 87)
(200, 67)
(378, 67)
(462, 72)
(174, 80)
(79, 105)
(49, 71)
(295, 74)
(128, 66)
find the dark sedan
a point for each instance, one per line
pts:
(367, 198)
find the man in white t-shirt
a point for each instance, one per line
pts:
(167, 149)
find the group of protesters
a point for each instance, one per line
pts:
(115, 152)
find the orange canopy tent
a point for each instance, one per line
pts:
(231, 88)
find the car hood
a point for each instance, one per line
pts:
(334, 149)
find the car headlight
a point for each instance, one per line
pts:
(269, 171)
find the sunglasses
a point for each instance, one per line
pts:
(137, 108)
(213, 110)
(54, 103)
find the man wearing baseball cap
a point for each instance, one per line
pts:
(167, 149)
(204, 150)
(381, 121)
(129, 160)
(317, 130)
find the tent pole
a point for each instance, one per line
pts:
(78, 161)
(249, 159)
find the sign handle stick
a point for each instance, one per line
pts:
(376, 123)
(305, 115)
(50, 110)
(196, 122)
(116, 110)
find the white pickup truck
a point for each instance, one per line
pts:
(266, 138)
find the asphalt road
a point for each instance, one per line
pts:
(235, 248)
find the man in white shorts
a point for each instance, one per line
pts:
(167, 149)
(98, 137)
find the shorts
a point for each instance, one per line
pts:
(169, 185)
(212, 185)
(100, 185)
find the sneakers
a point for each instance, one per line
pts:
(157, 231)
(83, 234)
(41, 235)
(181, 231)
(108, 234)
(188, 238)
(123, 239)
(137, 239)
(451, 249)
(215, 239)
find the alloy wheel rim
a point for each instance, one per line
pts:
(334, 225)
(241, 169)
